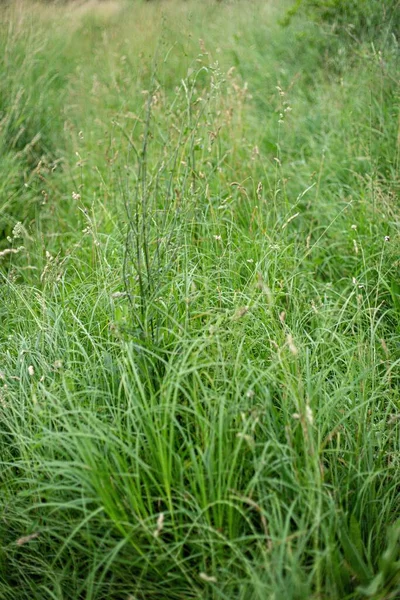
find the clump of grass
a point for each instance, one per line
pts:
(199, 340)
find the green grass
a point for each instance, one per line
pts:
(199, 339)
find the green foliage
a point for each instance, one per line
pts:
(32, 96)
(199, 305)
(359, 18)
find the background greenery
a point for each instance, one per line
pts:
(200, 300)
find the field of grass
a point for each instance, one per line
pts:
(199, 303)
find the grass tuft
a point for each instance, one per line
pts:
(199, 303)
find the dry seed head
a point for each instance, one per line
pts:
(241, 312)
(18, 230)
(384, 346)
(3, 402)
(290, 219)
(292, 347)
(246, 437)
(208, 578)
(309, 415)
(7, 251)
(255, 153)
(27, 538)
(31, 371)
(202, 46)
(393, 419)
(160, 525)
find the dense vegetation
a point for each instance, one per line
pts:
(200, 301)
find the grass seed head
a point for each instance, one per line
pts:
(291, 345)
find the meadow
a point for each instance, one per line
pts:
(199, 300)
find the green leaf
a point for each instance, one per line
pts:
(353, 551)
